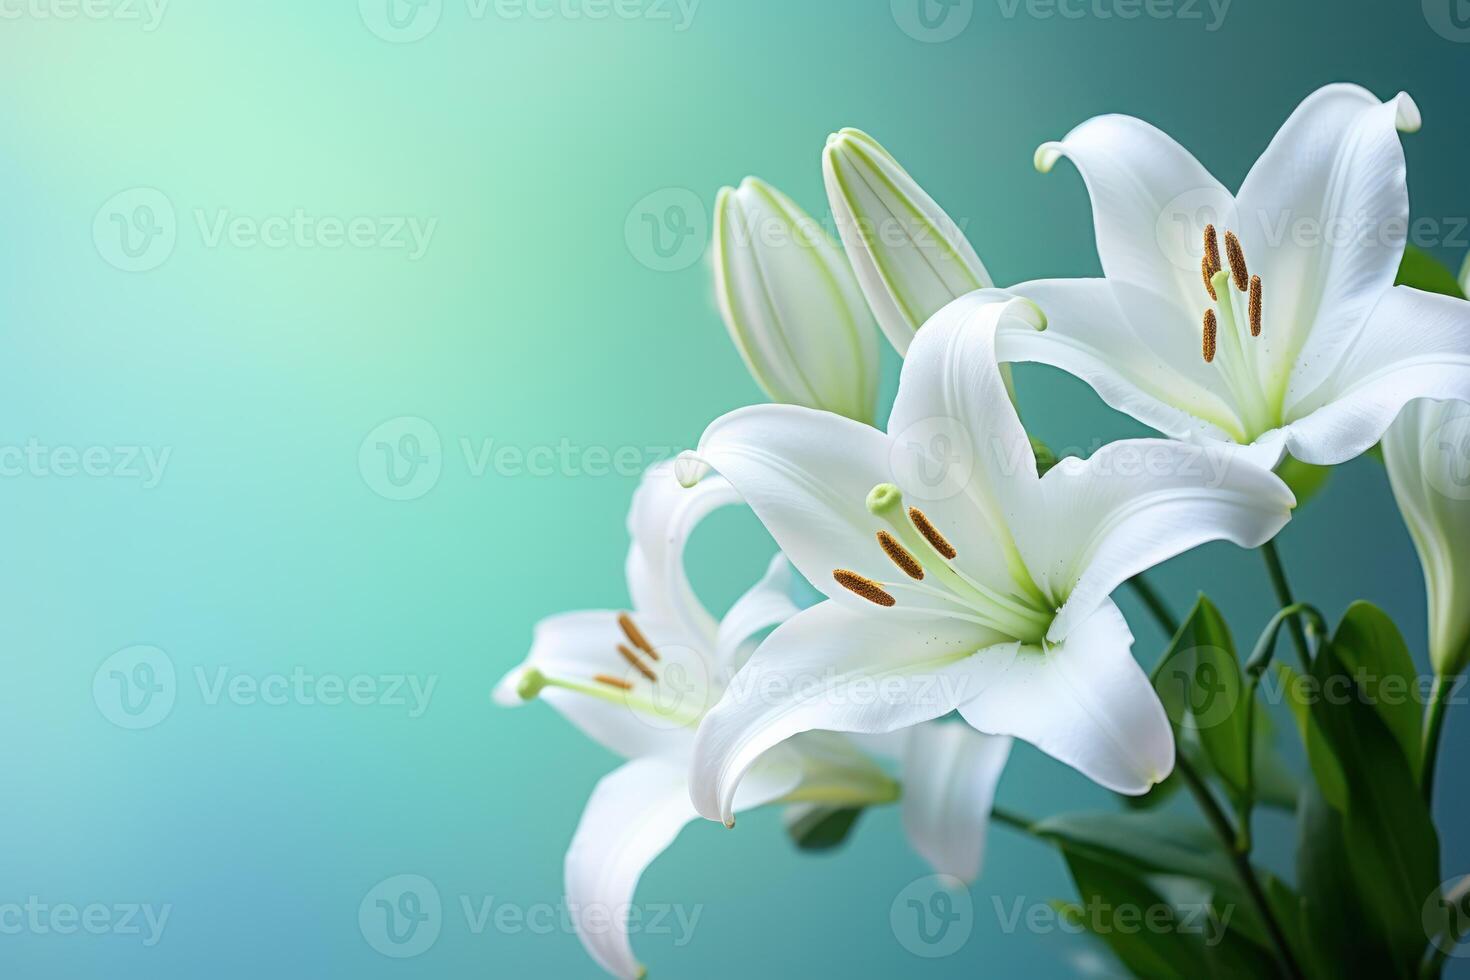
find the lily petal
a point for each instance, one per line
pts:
(662, 519)
(1084, 702)
(950, 773)
(766, 605)
(1414, 345)
(1324, 214)
(837, 670)
(1135, 504)
(1151, 200)
(632, 817)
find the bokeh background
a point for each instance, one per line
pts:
(207, 226)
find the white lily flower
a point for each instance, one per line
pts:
(641, 682)
(792, 305)
(1428, 456)
(957, 578)
(910, 257)
(1297, 339)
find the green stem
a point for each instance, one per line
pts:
(1013, 820)
(1247, 874)
(1156, 605)
(1284, 596)
(1439, 703)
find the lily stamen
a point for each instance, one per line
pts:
(1212, 253)
(1207, 272)
(636, 663)
(1238, 271)
(621, 685)
(635, 636)
(900, 556)
(864, 587)
(1255, 306)
(931, 533)
(1212, 336)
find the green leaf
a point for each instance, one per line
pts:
(1386, 826)
(1304, 479)
(1113, 906)
(1145, 843)
(1423, 271)
(1300, 693)
(1200, 685)
(1275, 783)
(1373, 651)
(821, 828)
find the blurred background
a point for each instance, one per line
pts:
(248, 652)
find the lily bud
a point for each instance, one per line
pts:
(911, 259)
(1427, 452)
(792, 304)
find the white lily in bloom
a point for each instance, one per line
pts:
(640, 683)
(957, 578)
(1428, 456)
(1296, 340)
(910, 257)
(791, 304)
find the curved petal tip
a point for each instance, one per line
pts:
(689, 469)
(1047, 155)
(1406, 113)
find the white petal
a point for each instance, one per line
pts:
(1414, 345)
(1135, 504)
(949, 777)
(836, 670)
(766, 605)
(792, 304)
(1132, 356)
(1086, 703)
(1151, 200)
(1323, 218)
(663, 517)
(910, 257)
(568, 653)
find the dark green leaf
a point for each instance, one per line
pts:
(1300, 692)
(1145, 843)
(1114, 904)
(821, 828)
(1423, 271)
(1374, 652)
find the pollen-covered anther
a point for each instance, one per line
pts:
(621, 685)
(1212, 255)
(1238, 271)
(1208, 273)
(1212, 336)
(1255, 306)
(635, 636)
(637, 663)
(900, 556)
(931, 533)
(865, 587)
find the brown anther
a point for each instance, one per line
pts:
(1204, 268)
(1212, 336)
(636, 663)
(1212, 253)
(865, 587)
(1255, 306)
(635, 636)
(1236, 255)
(900, 556)
(613, 682)
(931, 533)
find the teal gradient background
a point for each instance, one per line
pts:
(529, 320)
